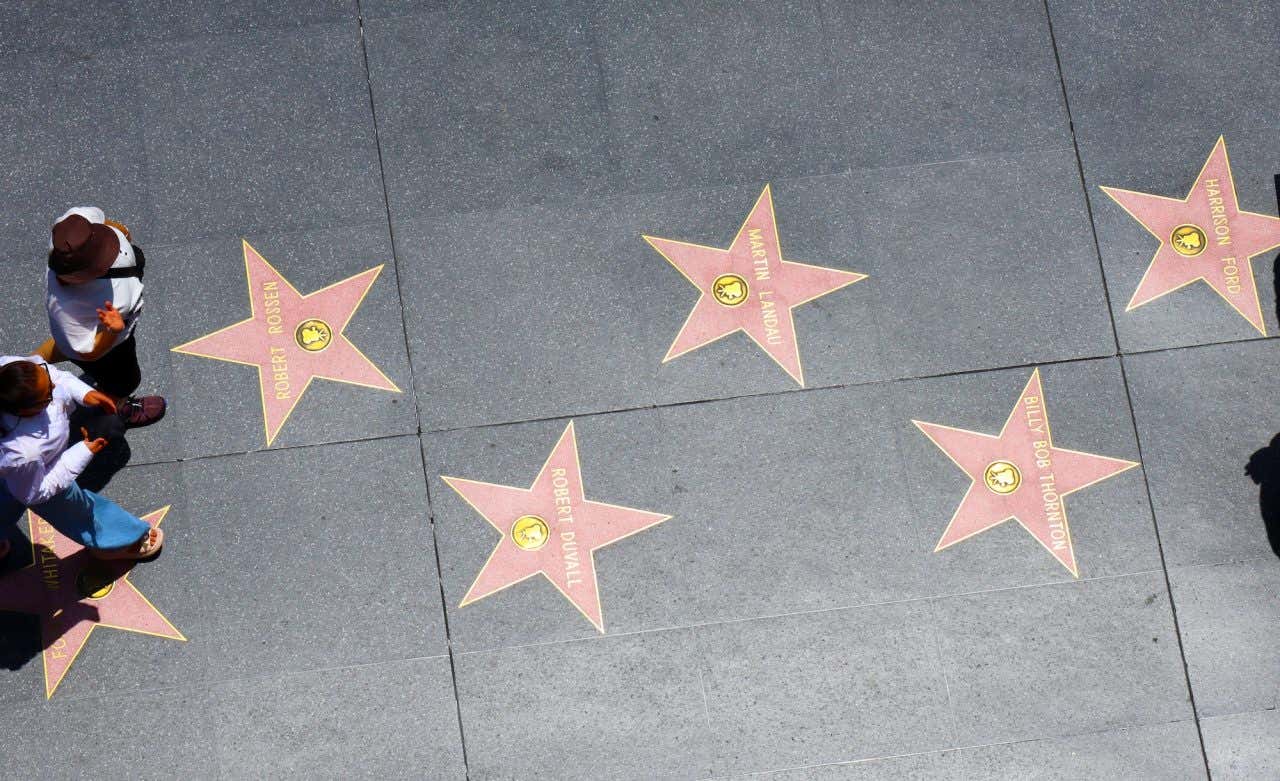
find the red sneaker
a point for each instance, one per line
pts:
(137, 412)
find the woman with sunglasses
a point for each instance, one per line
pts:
(38, 470)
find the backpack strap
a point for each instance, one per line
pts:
(136, 270)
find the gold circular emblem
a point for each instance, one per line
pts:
(1002, 477)
(1187, 240)
(729, 289)
(530, 532)
(313, 335)
(94, 582)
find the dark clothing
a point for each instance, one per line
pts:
(117, 373)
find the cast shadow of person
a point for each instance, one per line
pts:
(21, 638)
(1264, 469)
(114, 457)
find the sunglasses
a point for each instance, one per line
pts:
(48, 399)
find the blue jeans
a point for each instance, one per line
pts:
(79, 515)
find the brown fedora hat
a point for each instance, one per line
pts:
(82, 250)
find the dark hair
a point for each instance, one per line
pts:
(18, 385)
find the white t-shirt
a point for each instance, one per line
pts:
(73, 309)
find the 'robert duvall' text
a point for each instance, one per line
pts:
(569, 554)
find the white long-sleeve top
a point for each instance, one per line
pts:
(35, 462)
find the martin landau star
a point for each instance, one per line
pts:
(73, 593)
(749, 287)
(1020, 474)
(292, 338)
(1205, 236)
(550, 528)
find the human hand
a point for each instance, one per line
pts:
(95, 446)
(109, 316)
(100, 400)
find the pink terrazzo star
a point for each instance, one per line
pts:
(749, 287)
(1020, 474)
(550, 528)
(1205, 236)
(292, 338)
(73, 593)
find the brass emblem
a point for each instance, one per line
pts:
(1188, 240)
(729, 289)
(530, 532)
(313, 335)
(1002, 477)
(94, 582)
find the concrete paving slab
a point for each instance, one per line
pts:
(259, 602)
(1132, 66)
(394, 719)
(824, 455)
(227, 406)
(629, 707)
(109, 737)
(1227, 614)
(264, 131)
(1244, 745)
(608, 306)
(974, 80)
(824, 687)
(1158, 752)
(769, 113)
(1202, 414)
(500, 105)
(1166, 164)
(68, 142)
(91, 660)
(1062, 659)
(192, 19)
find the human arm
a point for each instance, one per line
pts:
(31, 483)
(82, 393)
(110, 325)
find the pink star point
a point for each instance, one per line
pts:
(574, 528)
(271, 338)
(770, 288)
(48, 588)
(1037, 476)
(1224, 239)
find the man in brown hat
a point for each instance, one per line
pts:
(94, 300)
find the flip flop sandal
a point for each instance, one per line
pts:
(145, 548)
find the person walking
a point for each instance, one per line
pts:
(94, 298)
(38, 471)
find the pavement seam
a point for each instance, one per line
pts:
(971, 747)
(417, 404)
(1124, 378)
(802, 613)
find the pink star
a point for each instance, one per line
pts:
(1020, 474)
(292, 338)
(549, 528)
(1204, 236)
(73, 593)
(749, 287)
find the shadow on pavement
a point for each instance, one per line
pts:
(1264, 469)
